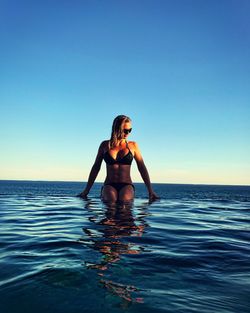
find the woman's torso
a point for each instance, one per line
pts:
(118, 161)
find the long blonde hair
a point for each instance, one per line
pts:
(117, 129)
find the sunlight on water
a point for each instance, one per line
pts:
(188, 252)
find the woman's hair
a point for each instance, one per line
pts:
(117, 129)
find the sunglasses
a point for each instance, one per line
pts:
(127, 131)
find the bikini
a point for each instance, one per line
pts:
(126, 159)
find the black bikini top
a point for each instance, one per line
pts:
(126, 159)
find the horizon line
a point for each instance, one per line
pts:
(100, 182)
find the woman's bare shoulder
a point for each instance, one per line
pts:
(104, 144)
(133, 144)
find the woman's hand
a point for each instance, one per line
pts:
(83, 194)
(153, 196)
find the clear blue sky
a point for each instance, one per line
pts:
(179, 69)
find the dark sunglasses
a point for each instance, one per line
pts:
(127, 131)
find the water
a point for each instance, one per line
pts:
(188, 252)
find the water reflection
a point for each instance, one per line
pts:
(113, 227)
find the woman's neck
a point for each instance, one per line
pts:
(121, 142)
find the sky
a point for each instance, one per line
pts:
(179, 69)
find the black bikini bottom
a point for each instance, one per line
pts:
(119, 186)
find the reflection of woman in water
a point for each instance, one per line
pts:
(113, 235)
(118, 153)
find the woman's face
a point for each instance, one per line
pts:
(126, 126)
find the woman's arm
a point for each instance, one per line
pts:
(144, 172)
(94, 172)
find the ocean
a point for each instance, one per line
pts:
(187, 252)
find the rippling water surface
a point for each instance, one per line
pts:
(187, 252)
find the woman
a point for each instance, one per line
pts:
(118, 154)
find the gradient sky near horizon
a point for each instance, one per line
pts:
(180, 69)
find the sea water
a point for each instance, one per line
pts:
(187, 252)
